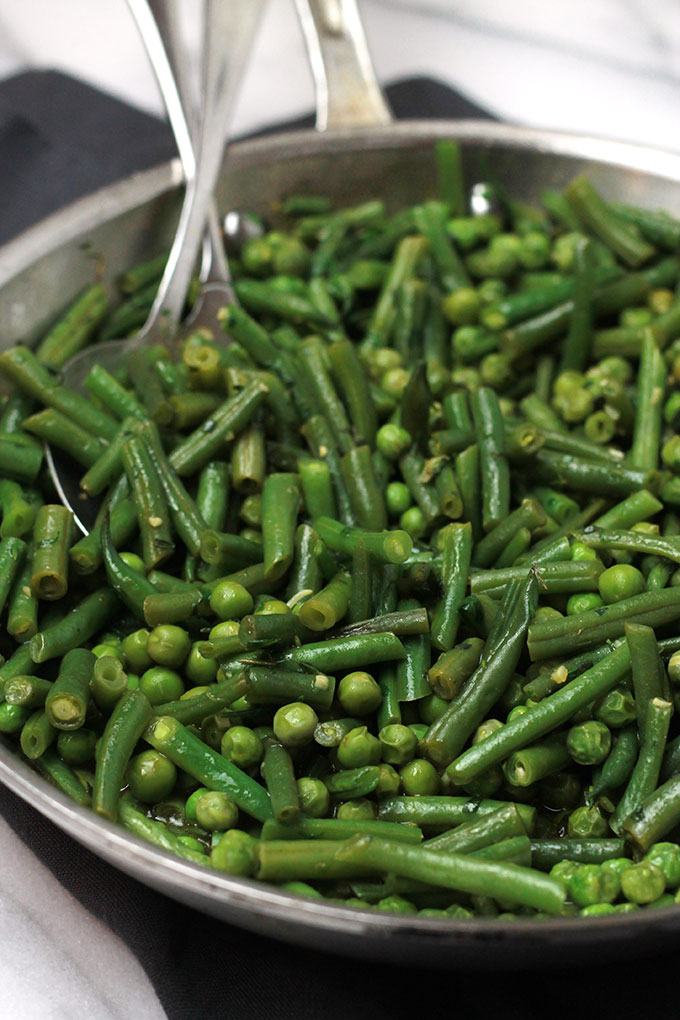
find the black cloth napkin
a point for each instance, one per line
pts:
(60, 139)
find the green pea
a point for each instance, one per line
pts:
(388, 781)
(396, 905)
(314, 797)
(216, 811)
(397, 498)
(643, 882)
(586, 822)
(235, 853)
(392, 440)
(197, 669)
(461, 306)
(109, 649)
(616, 709)
(597, 910)
(226, 628)
(582, 602)
(359, 694)
(168, 645)
(486, 729)
(619, 582)
(579, 551)
(133, 561)
(589, 884)
(242, 746)
(230, 600)
(413, 522)
(674, 669)
(589, 743)
(395, 382)
(294, 724)
(419, 777)
(192, 801)
(547, 613)
(398, 742)
(563, 871)
(666, 857)
(358, 748)
(135, 655)
(151, 776)
(160, 685)
(358, 810)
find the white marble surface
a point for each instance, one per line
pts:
(608, 67)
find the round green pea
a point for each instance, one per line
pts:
(580, 551)
(168, 645)
(666, 857)
(396, 905)
(413, 522)
(395, 381)
(197, 669)
(616, 708)
(235, 853)
(358, 693)
(585, 822)
(192, 801)
(229, 600)
(242, 746)
(392, 440)
(461, 306)
(589, 743)
(674, 669)
(136, 658)
(357, 810)
(419, 777)
(388, 781)
(398, 742)
(582, 602)
(622, 581)
(151, 776)
(643, 883)
(109, 649)
(597, 910)
(160, 685)
(294, 724)
(133, 561)
(397, 498)
(358, 748)
(314, 797)
(216, 811)
(589, 884)
(226, 628)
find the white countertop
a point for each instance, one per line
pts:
(607, 67)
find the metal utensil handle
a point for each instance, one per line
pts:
(229, 30)
(160, 25)
(347, 90)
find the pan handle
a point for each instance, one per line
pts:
(347, 91)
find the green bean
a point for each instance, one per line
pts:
(493, 463)
(280, 506)
(456, 553)
(543, 718)
(645, 775)
(52, 535)
(77, 627)
(644, 452)
(208, 767)
(456, 871)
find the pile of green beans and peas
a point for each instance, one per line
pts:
(382, 601)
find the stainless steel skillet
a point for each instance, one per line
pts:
(359, 155)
